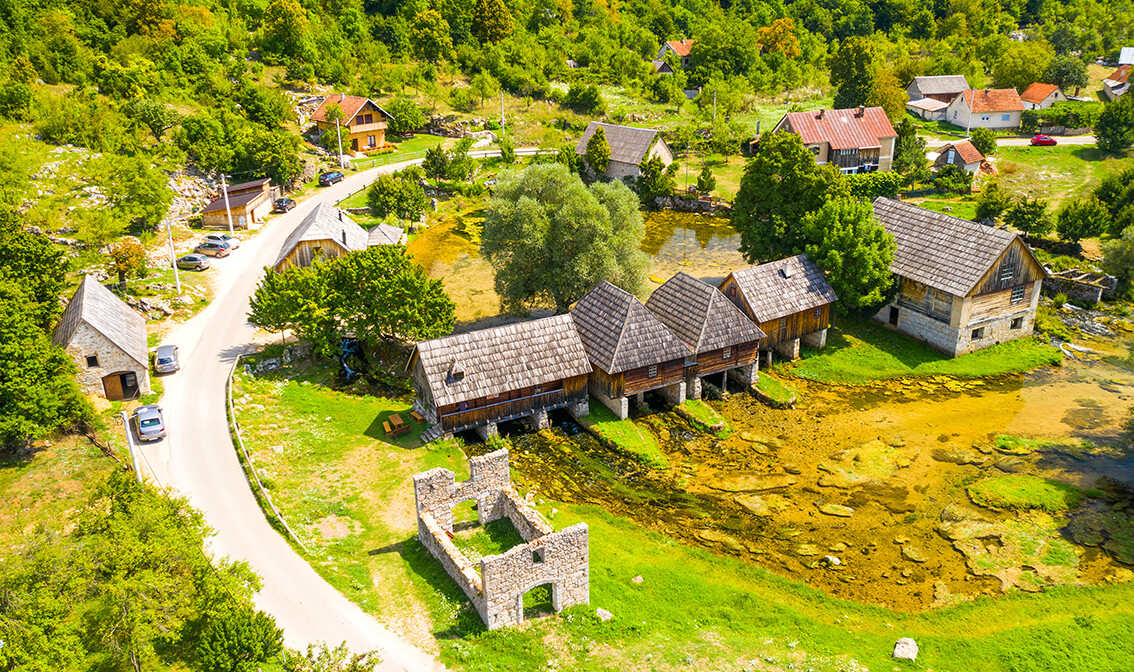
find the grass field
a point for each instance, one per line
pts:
(860, 350)
(1057, 174)
(775, 388)
(623, 435)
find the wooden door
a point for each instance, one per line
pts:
(112, 386)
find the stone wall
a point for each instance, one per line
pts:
(88, 341)
(955, 341)
(559, 559)
(939, 335)
(1079, 286)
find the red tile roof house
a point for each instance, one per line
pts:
(679, 48)
(1040, 96)
(986, 108)
(961, 154)
(363, 125)
(858, 140)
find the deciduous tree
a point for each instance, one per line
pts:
(1067, 72)
(492, 21)
(550, 239)
(127, 257)
(154, 116)
(846, 241)
(1115, 127)
(655, 179)
(1022, 64)
(1029, 215)
(984, 140)
(853, 70)
(398, 195)
(780, 38)
(237, 639)
(1082, 218)
(407, 116)
(436, 163)
(992, 201)
(889, 94)
(430, 36)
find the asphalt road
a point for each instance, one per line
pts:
(1019, 142)
(198, 459)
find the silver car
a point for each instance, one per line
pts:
(166, 359)
(233, 241)
(149, 423)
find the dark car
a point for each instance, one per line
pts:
(327, 179)
(194, 262)
(213, 248)
(284, 204)
(1043, 141)
(149, 423)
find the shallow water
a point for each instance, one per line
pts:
(896, 456)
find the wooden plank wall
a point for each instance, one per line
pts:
(638, 380)
(308, 251)
(712, 362)
(1025, 270)
(798, 324)
(999, 304)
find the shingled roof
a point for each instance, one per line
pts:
(785, 287)
(699, 315)
(1038, 92)
(940, 84)
(993, 100)
(501, 359)
(235, 201)
(351, 105)
(326, 222)
(621, 334)
(856, 128)
(627, 144)
(946, 253)
(108, 315)
(385, 234)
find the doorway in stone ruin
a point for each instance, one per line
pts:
(538, 601)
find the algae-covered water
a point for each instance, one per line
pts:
(864, 491)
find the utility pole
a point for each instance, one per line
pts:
(227, 210)
(501, 113)
(970, 119)
(714, 107)
(339, 134)
(173, 256)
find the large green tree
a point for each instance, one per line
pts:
(655, 180)
(399, 195)
(854, 249)
(992, 201)
(1115, 127)
(853, 71)
(284, 30)
(492, 21)
(430, 36)
(1021, 64)
(550, 239)
(1029, 215)
(1082, 218)
(407, 116)
(780, 185)
(35, 265)
(1067, 72)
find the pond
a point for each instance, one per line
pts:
(868, 492)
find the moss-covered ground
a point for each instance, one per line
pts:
(775, 388)
(1023, 491)
(705, 418)
(623, 435)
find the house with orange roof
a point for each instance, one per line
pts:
(857, 140)
(961, 154)
(1040, 96)
(679, 48)
(1118, 83)
(363, 123)
(986, 108)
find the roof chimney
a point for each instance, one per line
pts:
(820, 115)
(861, 111)
(344, 236)
(785, 272)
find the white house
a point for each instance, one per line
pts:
(1041, 96)
(679, 48)
(629, 147)
(986, 108)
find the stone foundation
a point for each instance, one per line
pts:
(559, 559)
(579, 410)
(674, 394)
(816, 339)
(539, 420)
(619, 406)
(789, 349)
(747, 375)
(693, 387)
(488, 431)
(956, 342)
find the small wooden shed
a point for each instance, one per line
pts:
(790, 300)
(325, 233)
(479, 378)
(249, 202)
(723, 340)
(962, 154)
(630, 350)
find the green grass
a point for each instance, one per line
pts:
(705, 418)
(953, 205)
(1018, 445)
(860, 350)
(623, 435)
(494, 538)
(1059, 173)
(1048, 323)
(405, 150)
(1021, 491)
(775, 388)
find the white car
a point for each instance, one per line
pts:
(233, 241)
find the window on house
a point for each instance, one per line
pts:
(818, 312)
(732, 291)
(370, 141)
(978, 334)
(1005, 117)
(783, 326)
(1007, 271)
(1017, 322)
(985, 117)
(537, 389)
(652, 372)
(1017, 294)
(954, 114)
(727, 353)
(358, 119)
(92, 361)
(815, 150)
(369, 118)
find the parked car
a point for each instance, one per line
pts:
(329, 178)
(1043, 141)
(194, 262)
(213, 248)
(166, 359)
(233, 241)
(284, 204)
(149, 423)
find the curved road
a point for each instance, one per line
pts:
(198, 459)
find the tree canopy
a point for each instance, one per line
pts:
(854, 249)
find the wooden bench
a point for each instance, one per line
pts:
(417, 416)
(386, 426)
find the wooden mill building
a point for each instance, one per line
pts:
(629, 148)
(790, 300)
(631, 351)
(249, 202)
(963, 286)
(723, 340)
(325, 233)
(477, 379)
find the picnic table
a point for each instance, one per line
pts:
(396, 426)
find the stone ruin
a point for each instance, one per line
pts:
(497, 586)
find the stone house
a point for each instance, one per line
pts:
(681, 50)
(961, 154)
(479, 378)
(629, 147)
(1118, 82)
(631, 351)
(325, 233)
(962, 286)
(107, 340)
(363, 125)
(790, 301)
(250, 203)
(986, 108)
(943, 88)
(1040, 96)
(723, 340)
(858, 140)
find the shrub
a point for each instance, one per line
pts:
(1059, 300)
(872, 185)
(585, 99)
(984, 140)
(950, 178)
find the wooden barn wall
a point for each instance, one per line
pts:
(712, 362)
(1025, 270)
(308, 251)
(514, 403)
(638, 380)
(798, 324)
(999, 304)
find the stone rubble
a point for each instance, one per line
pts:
(905, 649)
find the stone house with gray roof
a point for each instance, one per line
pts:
(962, 286)
(631, 351)
(629, 147)
(937, 87)
(790, 301)
(477, 379)
(107, 340)
(723, 340)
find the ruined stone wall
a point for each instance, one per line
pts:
(437, 492)
(559, 559)
(88, 341)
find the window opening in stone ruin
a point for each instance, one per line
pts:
(537, 602)
(1018, 323)
(978, 333)
(92, 361)
(537, 556)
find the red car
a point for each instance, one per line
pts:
(1043, 141)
